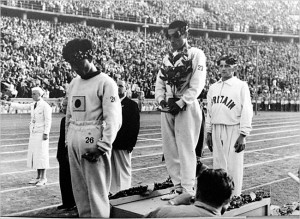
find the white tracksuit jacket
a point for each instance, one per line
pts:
(94, 116)
(180, 133)
(229, 114)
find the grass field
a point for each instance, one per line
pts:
(272, 150)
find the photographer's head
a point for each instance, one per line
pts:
(177, 33)
(214, 188)
(227, 66)
(79, 53)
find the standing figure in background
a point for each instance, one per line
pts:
(181, 122)
(62, 156)
(141, 99)
(124, 142)
(229, 118)
(40, 125)
(93, 118)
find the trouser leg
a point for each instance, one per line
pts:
(121, 170)
(187, 130)
(90, 181)
(170, 150)
(224, 155)
(66, 184)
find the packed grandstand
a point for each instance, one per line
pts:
(31, 48)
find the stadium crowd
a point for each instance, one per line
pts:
(31, 56)
(262, 16)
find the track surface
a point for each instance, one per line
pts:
(273, 150)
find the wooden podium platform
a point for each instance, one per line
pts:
(137, 206)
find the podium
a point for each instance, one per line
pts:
(137, 206)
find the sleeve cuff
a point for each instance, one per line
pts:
(102, 147)
(159, 99)
(180, 103)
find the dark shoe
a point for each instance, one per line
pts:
(62, 207)
(71, 208)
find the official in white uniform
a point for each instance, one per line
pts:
(40, 124)
(93, 119)
(229, 118)
(181, 124)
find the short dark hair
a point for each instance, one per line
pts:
(77, 49)
(181, 25)
(178, 24)
(229, 60)
(214, 187)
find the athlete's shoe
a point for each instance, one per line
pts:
(41, 182)
(33, 181)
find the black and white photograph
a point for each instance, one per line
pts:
(150, 108)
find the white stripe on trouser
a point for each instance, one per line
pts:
(121, 170)
(90, 181)
(224, 156)
(180, 135)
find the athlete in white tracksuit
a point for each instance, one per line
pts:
(229, 118)
(181, 127)
(93, 118)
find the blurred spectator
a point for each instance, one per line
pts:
(35, 59)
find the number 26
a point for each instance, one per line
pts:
(89, 140)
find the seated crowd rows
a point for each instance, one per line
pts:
(31, 56)
(262, 16)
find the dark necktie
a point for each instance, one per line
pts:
(35, 105)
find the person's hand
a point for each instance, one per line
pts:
(45, 137)
(209, 142)
(163, 103)
(93, 155)
(240, 143)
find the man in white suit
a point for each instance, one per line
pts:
(40, 124)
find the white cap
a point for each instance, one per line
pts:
(40, 90)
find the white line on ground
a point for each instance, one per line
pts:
(146, 155)
(23, 151)
(20, 160)
(270, 139)
(27, 187)
(276, 127)
(206, 158)
(268, 133)
(269, 154)
(266, 184)
(23, 144)
(55, 148)
(53, 206)
(149, 146)
(148, 139)
(160, 166)
(266, 139)
(275, 123)
(24, 171)
(270, 161)
(158, 133)
(30, 211)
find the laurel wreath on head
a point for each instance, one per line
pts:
(80, 55)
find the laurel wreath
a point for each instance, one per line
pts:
(175, 75)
